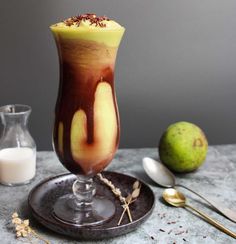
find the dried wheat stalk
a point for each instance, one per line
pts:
(125, 201)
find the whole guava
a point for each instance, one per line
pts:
(183, 147)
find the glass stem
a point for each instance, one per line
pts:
(84, 190)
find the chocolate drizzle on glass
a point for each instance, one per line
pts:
(78, 84)
(92, 18)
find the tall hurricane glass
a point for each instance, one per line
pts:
(86, 128)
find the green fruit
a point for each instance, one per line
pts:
(183, 147)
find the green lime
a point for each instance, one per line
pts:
(183, 147)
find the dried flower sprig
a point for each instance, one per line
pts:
(23, 229)
(21, 226)
(130, 199)
(125, 201)
(117, 192)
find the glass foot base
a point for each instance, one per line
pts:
(101, 210)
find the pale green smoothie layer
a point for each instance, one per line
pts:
(108, 32)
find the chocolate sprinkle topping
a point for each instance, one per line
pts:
(92, 18)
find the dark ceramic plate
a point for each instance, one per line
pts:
(43, 196)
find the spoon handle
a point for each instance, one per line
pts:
(213, 222)
(230, 214)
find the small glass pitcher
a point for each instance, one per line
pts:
(17, 147)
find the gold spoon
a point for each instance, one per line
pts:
(164, 177)
(177, 199)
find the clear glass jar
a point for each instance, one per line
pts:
(17, 147)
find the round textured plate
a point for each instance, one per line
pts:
(43, 196)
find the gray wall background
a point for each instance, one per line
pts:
(177, 61)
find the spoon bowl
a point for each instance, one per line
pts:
(174, 197)
(158, 172)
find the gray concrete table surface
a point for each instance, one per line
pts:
(216, 179)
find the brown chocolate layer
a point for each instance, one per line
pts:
(83, 65)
